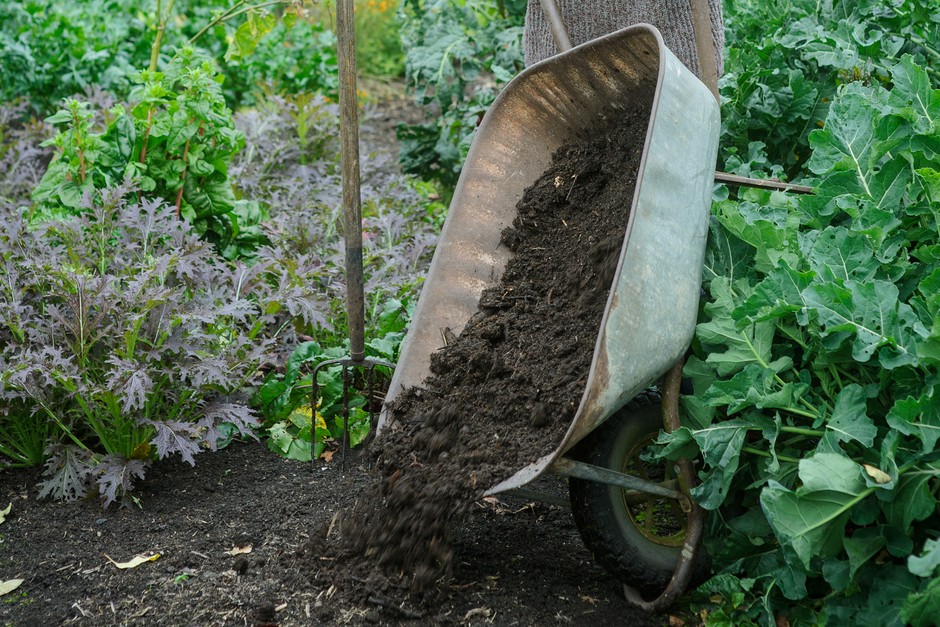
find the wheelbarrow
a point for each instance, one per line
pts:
(651, 311)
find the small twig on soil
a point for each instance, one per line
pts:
(405, 613)
(574, 179)
(333, 522)
(79, 608)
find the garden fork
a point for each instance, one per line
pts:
(352, 223)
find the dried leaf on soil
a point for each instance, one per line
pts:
(239, 550)
(135, 561)
(9, 586)
(3, 514)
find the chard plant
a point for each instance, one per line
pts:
(176, 142)
(125, 339)
(816, 368)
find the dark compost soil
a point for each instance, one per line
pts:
(517, 563)
(404, 536)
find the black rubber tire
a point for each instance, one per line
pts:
(604, 519)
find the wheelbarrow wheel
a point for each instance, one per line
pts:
(636, 537)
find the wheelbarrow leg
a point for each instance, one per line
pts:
(696, 517)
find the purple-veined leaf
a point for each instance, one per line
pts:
(69, 469)
(175, 436)
(116, 475)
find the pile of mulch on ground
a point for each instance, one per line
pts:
(503, 393)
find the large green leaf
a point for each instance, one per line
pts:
(921, 609)
(912, 90)
(847, 141)
(925, 564)
(838, 254)
(726, 256)
(878, 602)
(721, 448)
(919, 417)
(873, 314)
(861, 546)
(757, 386)
(849, 420)
(779, 294)
(811, 519)
(769, 228)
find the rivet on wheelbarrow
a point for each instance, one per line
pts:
(352, 225)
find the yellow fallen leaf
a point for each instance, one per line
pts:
(239, 550)
(877, 474)
(3, 514)
(134, 562)
(10, 585)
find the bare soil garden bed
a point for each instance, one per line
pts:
(517, 563)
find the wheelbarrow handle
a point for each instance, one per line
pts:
(559, 31)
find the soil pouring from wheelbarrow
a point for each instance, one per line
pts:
(652, 307)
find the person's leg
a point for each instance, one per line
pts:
(588, 19)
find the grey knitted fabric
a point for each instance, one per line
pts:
(589, 19)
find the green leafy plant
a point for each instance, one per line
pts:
(293, 57)
(123, 339)
(458, 56)
(176, 142)
(299, 431)
(784, 62)
(379, 52)
(379, 49)
(51, 50)
(815, 369)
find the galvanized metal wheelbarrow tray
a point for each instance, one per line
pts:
(652, 307)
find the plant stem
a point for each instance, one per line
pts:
(143, 147)
(59, 422)
(801, 431)
(76, 122)
(179, 194)
(760, 453)
(158, 38)
(232, 12)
